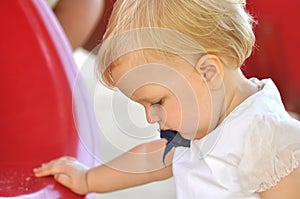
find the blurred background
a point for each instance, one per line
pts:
(276, 54)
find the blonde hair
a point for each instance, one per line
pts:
(220, 27)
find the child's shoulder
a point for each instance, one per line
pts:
(271, 139)
(271, 151)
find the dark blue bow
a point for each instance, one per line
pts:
(174, 140)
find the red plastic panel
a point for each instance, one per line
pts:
(278, 45)
(37, 120)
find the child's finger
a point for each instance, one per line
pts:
(41, 172)
(53, 167)
(47, 169)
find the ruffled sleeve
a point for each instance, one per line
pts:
(271, 152)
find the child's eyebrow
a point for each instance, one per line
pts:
(140, 99)
(144, 98)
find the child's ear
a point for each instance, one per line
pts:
(210, 68)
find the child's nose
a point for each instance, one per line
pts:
(154, 114)
(151, 116)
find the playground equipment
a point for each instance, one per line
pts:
(40, 116)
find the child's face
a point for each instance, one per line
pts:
(172, 92)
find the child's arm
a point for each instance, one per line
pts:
(78, 19)
(288, 188)
(141, 165)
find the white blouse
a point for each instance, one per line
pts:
(249, 152)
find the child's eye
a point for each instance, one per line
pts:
(159, 102)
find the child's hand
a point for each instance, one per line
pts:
(68, 172)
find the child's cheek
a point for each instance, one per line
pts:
(174, 119)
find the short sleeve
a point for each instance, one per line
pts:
(271, 152)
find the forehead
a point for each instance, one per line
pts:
(154, 62)
(136, 70)
(127, 62)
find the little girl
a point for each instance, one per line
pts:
(181, 60)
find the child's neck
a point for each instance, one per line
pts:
(237, 89)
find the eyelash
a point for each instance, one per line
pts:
(157, 103)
